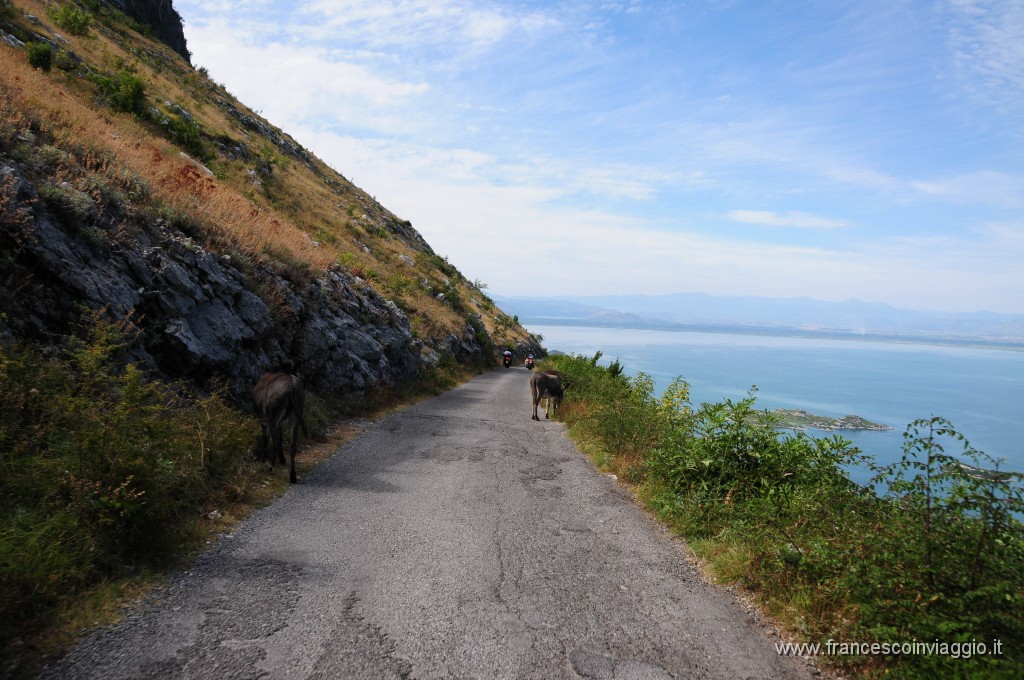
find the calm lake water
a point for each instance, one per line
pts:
(981, 391)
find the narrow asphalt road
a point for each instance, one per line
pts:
(454, 539)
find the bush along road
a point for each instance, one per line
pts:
(456, 538)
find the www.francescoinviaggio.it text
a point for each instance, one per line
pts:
(953, 650)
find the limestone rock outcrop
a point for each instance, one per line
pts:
(205, 317)
(160, 16)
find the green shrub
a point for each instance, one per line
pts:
(954, 522)
(124, 90)
(40, 55)
(398, 285)
(75, 208)
(347, 260)
(936, 554)
(326, 236)
(730, 451)
(101, 469)
(64, 60)
(187, 134)
(70, 18)
(624, 413)
(46, 555)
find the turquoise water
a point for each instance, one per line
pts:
(981, 391)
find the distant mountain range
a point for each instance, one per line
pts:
(787, 316)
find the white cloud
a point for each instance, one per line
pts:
(451, 25)
(865, 178)
(297, 83)
(994, 188)
(514, 238)
(1006, 237)
(792, 218)
(579, 256)
(987, 39)
(544, 166)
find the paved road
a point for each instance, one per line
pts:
(455, 539)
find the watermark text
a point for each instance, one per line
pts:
(953, 650)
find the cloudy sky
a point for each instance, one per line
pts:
(869, 149)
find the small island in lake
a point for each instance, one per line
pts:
(798, 419)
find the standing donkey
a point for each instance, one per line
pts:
(547, 386)
(279, 398)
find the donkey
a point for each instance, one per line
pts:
(279, 397)
(548, 386)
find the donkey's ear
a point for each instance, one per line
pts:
(290, 366)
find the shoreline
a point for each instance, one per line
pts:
(801, 420)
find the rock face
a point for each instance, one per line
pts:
(203, 317)
(161, 16)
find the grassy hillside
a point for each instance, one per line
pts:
(96, 80)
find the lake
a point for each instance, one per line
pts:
(981, 391)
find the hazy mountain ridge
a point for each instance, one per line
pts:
(759, 314)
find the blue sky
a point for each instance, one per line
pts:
(870, 149)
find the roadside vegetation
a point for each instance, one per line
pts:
(932, 553)
(105, 474)
(110, 479)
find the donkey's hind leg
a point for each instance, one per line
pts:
(295, 445)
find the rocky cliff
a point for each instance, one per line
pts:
(161, 17)
(198, 314)
(223, 273)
